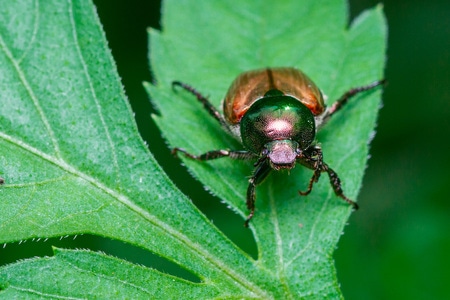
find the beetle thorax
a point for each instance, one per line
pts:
(279, 124)
(279, 128)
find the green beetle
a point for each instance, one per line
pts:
(275, 113)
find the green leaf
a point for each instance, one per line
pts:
(74, 163)
(79, 274)
(207, 44)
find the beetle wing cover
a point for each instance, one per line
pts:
(251, 86)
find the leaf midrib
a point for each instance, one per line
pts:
(281, 268)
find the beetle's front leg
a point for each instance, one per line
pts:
(336, 184)
(313, 159)
(262, 170)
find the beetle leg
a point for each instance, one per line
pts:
(314, 179)
(336, 106)
(313, 159)
(216, 154)
(208, 106)
(336, 184)
(260, 173)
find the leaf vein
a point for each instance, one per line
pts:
(33, 97)
(41, 294)
(110, 278)
(92, 91)
(33, 35)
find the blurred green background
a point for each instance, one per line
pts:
(397, 246)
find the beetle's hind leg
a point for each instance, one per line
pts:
(211, 109)
(336, 106)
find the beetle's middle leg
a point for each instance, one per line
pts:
(210, 155)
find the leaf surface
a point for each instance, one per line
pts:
(72, 158)
(74, 163)
(206, 44)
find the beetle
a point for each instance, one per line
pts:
(275, 114)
